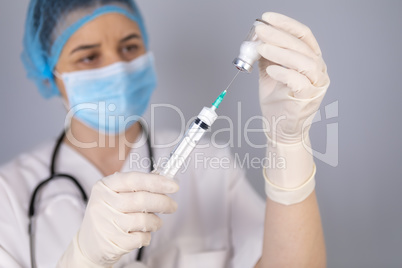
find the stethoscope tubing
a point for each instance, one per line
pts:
(53, 176)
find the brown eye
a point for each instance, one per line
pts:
(130, 48)
(90, 59)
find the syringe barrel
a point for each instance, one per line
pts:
(184, 148)
(191, 138)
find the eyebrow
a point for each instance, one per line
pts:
(131, 36)
(84, 47)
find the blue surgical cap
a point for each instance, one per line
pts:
(49, 25)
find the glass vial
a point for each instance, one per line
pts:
(248, 50)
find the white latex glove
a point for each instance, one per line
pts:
(119, 218)
(293, 82)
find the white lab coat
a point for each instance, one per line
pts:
(219, 221)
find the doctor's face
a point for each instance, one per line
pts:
(105, 40)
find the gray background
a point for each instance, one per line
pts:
(195, 42)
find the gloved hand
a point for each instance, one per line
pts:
(119, 218)
(293, 82)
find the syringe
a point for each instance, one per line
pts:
(191, 138)
(244, 63)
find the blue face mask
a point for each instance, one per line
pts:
(112, 98)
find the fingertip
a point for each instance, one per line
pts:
(268, 15)
(159, 224)
(177, 187)
(170, 208)
(147, 239)
(272, 70)
(260, 49)
(171, 186)
(272, 17)
(175, 206)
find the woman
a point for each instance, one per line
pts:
(94, 54)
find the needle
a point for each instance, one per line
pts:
(231, 82)
(218, 101)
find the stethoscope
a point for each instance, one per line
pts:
(53, 176)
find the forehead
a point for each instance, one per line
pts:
(107, 26)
